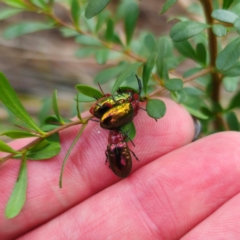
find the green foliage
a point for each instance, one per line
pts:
(25, 28)
(187, 29)
(157, 60)
(18, 196)
(11, 101)
(156, 108)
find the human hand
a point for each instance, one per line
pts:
(178, 189)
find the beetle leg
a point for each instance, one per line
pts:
(134, 155)
(106, 161)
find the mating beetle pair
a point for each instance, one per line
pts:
(114, 111)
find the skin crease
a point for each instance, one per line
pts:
(178, 189)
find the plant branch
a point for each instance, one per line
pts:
(39, 139)
(216, 77)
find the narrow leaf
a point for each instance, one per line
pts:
(75, 11)
(83, 98)
(173, 84)
(195, 112)
(84, 52)
(16, 4)
(227, 4)
(219, 30)
(186, 49)
(11, 101)
(18, 196)
(109, 31)
(5, 148)
(201, 53)
(167, 5)
(147, 70)
(150, 42)
(101, 56)
(130, 20)
(131, 68)
(89, 91)
(187, 29)
(55, 107)
(156, 108)
(178, 96)
(232, 121)
(8, 12)
(94, 7)
(237, 25)
(69, 151)
(109, 74)
(25, 28)
(88, 40)
(224, 16)
(229, 55)
(18, 134)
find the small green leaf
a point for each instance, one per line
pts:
(233, 72)
(89, 91)
(8, 12)
(147, 70)
(173, 84)
(235, 101)
(11, 101)
(129, 131)
(18, 196)
(187, 29)
(232, 121)
(195, 112)
(156, 108)
(229, 55)
(18, 134)
(84, 52)
(130, 20)
(224, 16)
(67, 32)
(150, 42)
(55, 107)
(237, 25)
(186, 49)
(94, 7)
(109, 74)
(46, 149)
(178, 96)
(109, 31)
(25, 28)
(201, 53)
(5, 148)
(83, 98)
(230, 83)
(131, 68)
(88, 40)
(101, 56)
(75, 11)
(219, 30)
(167, 5)
(227, 4)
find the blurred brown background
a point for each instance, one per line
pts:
(37, 64)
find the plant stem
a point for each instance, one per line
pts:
(216, 77)
(39, 139)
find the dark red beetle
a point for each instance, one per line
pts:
(118, 154)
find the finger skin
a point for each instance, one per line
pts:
(164, 199)
(85, 173)
(222, 224)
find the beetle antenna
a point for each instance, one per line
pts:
(134, 155)
(126, 134)
(139, 85)
(101, 88)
